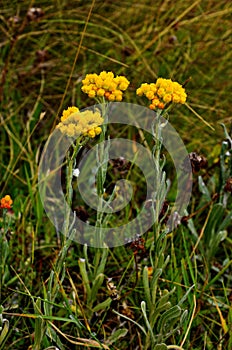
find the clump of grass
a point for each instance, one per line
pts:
(46, 296)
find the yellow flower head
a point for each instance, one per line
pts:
(105, 84)
(162, 92)
(6, 202)
(86, 123)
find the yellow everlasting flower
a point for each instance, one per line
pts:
(162, 92)
(6, 202)
(75, 123)
(105, 84)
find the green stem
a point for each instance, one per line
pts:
(2, 239)
(156, 131)
(71, 162)
(101, 175)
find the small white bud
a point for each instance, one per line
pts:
(76, 172)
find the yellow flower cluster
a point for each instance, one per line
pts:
(162, 92)
(74, 123)
(6, 202)
(105, 84)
